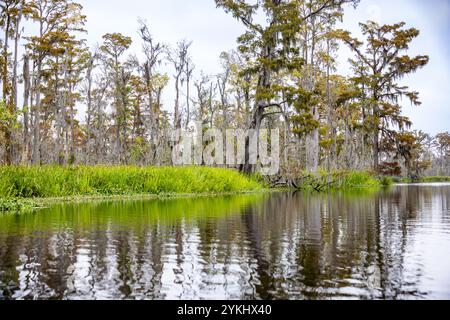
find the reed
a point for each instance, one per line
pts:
(337, 180)
(56, 182)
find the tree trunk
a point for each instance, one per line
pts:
(89, 112)
(13, 102)
(250, 168)
(177, 116)
(312, 140)
(312, 147)
(26, 107)
(188, 108)
(36, 157)
(72, 153)
(7, 127)
(376, 141)
(151, 112)
(264, 82)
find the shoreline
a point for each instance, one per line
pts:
(23, 205)
(138, 197)
(31, 188)
(170, 196)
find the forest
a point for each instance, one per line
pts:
(66, 103)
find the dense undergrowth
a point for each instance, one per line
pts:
(324, 181)
(20, 187)
(435, 179)
(17, 205)
(54, 182)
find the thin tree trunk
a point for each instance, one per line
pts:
(89, 112)
(7, 127)
(14, 155)
(376, 142)
(72, 155)
(36, 157)
(177, 116)
(26, 107)
(151, 111)
(188, 109)
(312, 140)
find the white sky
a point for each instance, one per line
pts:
(212, 32)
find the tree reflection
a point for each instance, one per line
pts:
(276, 246)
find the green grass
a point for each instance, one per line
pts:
(422, 180)
(386, 181)
(336, 180)
(434, 179)
(17, 205)
(58, 182)
(22, 188)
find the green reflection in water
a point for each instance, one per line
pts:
(390, 244)
(129, 213)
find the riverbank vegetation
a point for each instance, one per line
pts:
(25, 188)
(430, 179)
(65, 103)
(17, 205)
(434, 179)
(17, 182)
(336, 180)
(55, 182)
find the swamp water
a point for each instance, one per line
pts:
(345, 245)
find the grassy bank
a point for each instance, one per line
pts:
(64, 182)
(17, 205)
(337, 180)
(436, 179)
(24, 188)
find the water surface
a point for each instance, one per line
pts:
(364, 245)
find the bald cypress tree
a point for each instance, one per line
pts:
(272, 48)
(113, 48)
(379, 64)
(57, 21)
(12, 13)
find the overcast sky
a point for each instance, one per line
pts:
(212, 32)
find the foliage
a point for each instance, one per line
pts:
(434, 179)
(379, 65)
(16, 205)
(428, 179)
(273, 54)
(390, 169)
(324, 180)
(105, 105)
(386, 181)
(443, 144)
(53, 181)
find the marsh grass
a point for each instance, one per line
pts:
(17, 205)
(340, 180)
(434, 179)
(57, 182)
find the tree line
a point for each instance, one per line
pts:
(104, 105)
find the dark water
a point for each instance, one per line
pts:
(385, 245)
